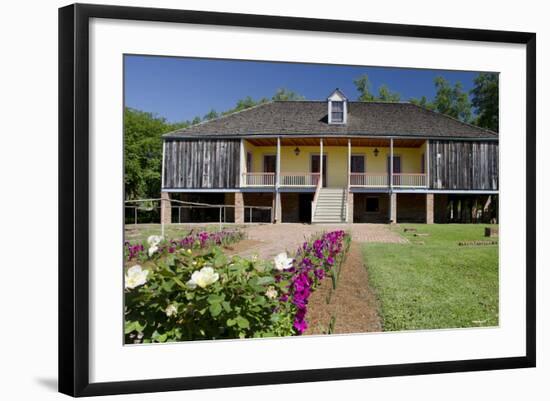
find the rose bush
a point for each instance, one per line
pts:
(156, 246)
(189, 296)
(185, 294)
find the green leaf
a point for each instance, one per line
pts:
(215, 309)
(259, 300)
(214, 298)
(265, 280)
(179, 283)
(242, 322)
(226, 306)
(231, 322)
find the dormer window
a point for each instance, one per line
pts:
(337, 108)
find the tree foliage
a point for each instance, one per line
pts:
(449, 100)
(363, 86)
(286, 95)
(485, 100)
(143, 152)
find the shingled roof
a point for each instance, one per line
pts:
(299, 118)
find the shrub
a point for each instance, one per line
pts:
(206, 296)
(184, 294)
(156, 246)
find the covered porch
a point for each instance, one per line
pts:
(342, 162)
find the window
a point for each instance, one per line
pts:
(372, 205)
(337, 112)
(248, 162)
(357, 163)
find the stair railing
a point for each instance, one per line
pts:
(315, 197)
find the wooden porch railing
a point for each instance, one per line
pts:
(299, 179)
(315, 197)
(374, 180)
(409, 180)
(259, 179)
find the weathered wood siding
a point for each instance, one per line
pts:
(464, 165)
(205, 163)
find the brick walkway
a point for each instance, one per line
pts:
(276, 238)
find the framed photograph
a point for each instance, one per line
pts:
(250, 199)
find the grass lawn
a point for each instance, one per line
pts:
(437, 284)
(141, 232)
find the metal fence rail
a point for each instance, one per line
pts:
(155, 206)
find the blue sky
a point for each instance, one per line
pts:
(182, 88)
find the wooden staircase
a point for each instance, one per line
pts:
(330, 206)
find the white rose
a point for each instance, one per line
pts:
(154, 240)
(203, 278)
(152, 250)
(171, 310)
(283, 262)
(135, 276)
(271, 292)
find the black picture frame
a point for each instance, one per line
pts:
(74, 198)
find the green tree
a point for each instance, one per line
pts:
(363, 86)
(210, 115)
(485, 100)
(196, 120)
(143, 152)
(449, 100)
(386, 95)
(423, 102)
(286, 95)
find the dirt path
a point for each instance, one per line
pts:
(271, 239)
(353, 303)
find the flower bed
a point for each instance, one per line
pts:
(156, 245)
(314, 261)
(188, 294)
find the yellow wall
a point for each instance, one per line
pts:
(337, 160)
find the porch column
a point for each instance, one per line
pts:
(393, 208)
(277, 194)
(391, 164)
(321, 162)
(277, 207)
(349, 214)
(427, 163)
(165, 208)
(349, 163)
(242, 171)
(239, 208)
(278, 165)
(429, 208)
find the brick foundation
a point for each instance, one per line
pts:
(239, 207)
(429, 208)
(165, 208)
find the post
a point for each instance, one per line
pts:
(321, 162)
(242, 178)
(250, 214)
(165, 210)
(349, 162)
(393, 208)
(278, 165)
(179, 214)
(162, 169)
(427, 161)
(239, 208)
(429, 208)
(135, 215)
(391, 164)
(220, 218)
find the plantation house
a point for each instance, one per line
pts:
(334, 161)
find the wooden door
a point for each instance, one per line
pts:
(396, 169)
(315, 166)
